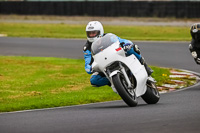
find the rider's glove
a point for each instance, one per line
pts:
(128, 46)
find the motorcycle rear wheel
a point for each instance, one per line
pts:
(128, 95)
(152, 94)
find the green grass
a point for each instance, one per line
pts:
(167, 33)
(161, 75)
(43, 82)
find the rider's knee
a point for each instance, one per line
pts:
(93, 81)
(132, 51)
(97, 80)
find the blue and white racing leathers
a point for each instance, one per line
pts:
(99, 79)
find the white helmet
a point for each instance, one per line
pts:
(93, 30)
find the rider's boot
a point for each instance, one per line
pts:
(148, 69)
(190, 47)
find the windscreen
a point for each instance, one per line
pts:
(102, 43)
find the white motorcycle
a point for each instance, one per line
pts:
(127, 76)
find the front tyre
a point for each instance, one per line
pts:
(152, 94)
(128, 95)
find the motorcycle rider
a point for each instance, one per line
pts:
(94, 29)
(194, 47)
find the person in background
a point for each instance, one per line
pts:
(94, 29)
(194, 46)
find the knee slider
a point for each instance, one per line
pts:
(94, 79)
(136, 49)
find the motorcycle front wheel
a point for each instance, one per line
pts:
(128, 95)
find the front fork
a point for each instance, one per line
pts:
(125, 76)
(123, 71)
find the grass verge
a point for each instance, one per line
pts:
(166, 33)
(43, 82)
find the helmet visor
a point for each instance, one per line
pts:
(93, 33)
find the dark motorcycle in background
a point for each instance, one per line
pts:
(195, 52)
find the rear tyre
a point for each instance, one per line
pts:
(128, 95)
(196, 60)
(152, 94)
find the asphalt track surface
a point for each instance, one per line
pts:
(176, 112)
